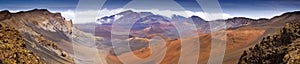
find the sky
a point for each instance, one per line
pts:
(231, 8)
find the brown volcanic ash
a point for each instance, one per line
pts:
(236, 40)
(282, 47)
(13, 48)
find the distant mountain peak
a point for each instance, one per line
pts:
(235, 18)
(196, 18)
(177, 16)
(146, 13)
(294, 12)
(36, 10)
(4, 11)
(125, 12)
(4, 14)
(40, 10)
(262, 19)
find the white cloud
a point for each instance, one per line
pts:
(86, 15)
(69, 14)
(170, 13)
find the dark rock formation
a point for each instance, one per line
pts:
(280, 48)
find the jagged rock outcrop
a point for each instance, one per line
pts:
(45, 33)
(13, 49)
(282, 47)
(49, 35)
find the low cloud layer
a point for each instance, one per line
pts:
(70, 14)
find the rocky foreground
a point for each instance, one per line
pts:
(41, 31)
(282, 47)
(51, 37)
(13, 48)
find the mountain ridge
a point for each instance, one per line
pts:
(38, 27)
(53, 34)
(238, 39)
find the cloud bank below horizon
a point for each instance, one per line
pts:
(70, 14)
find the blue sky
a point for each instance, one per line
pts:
(31, 4)
(247, 8)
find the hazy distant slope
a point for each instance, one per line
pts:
(243, 34)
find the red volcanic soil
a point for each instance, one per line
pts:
(237, 42)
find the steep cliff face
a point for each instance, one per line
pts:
(282, 47)
(13, 49)
(45, 33)
(50, 36)
(40, 18)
